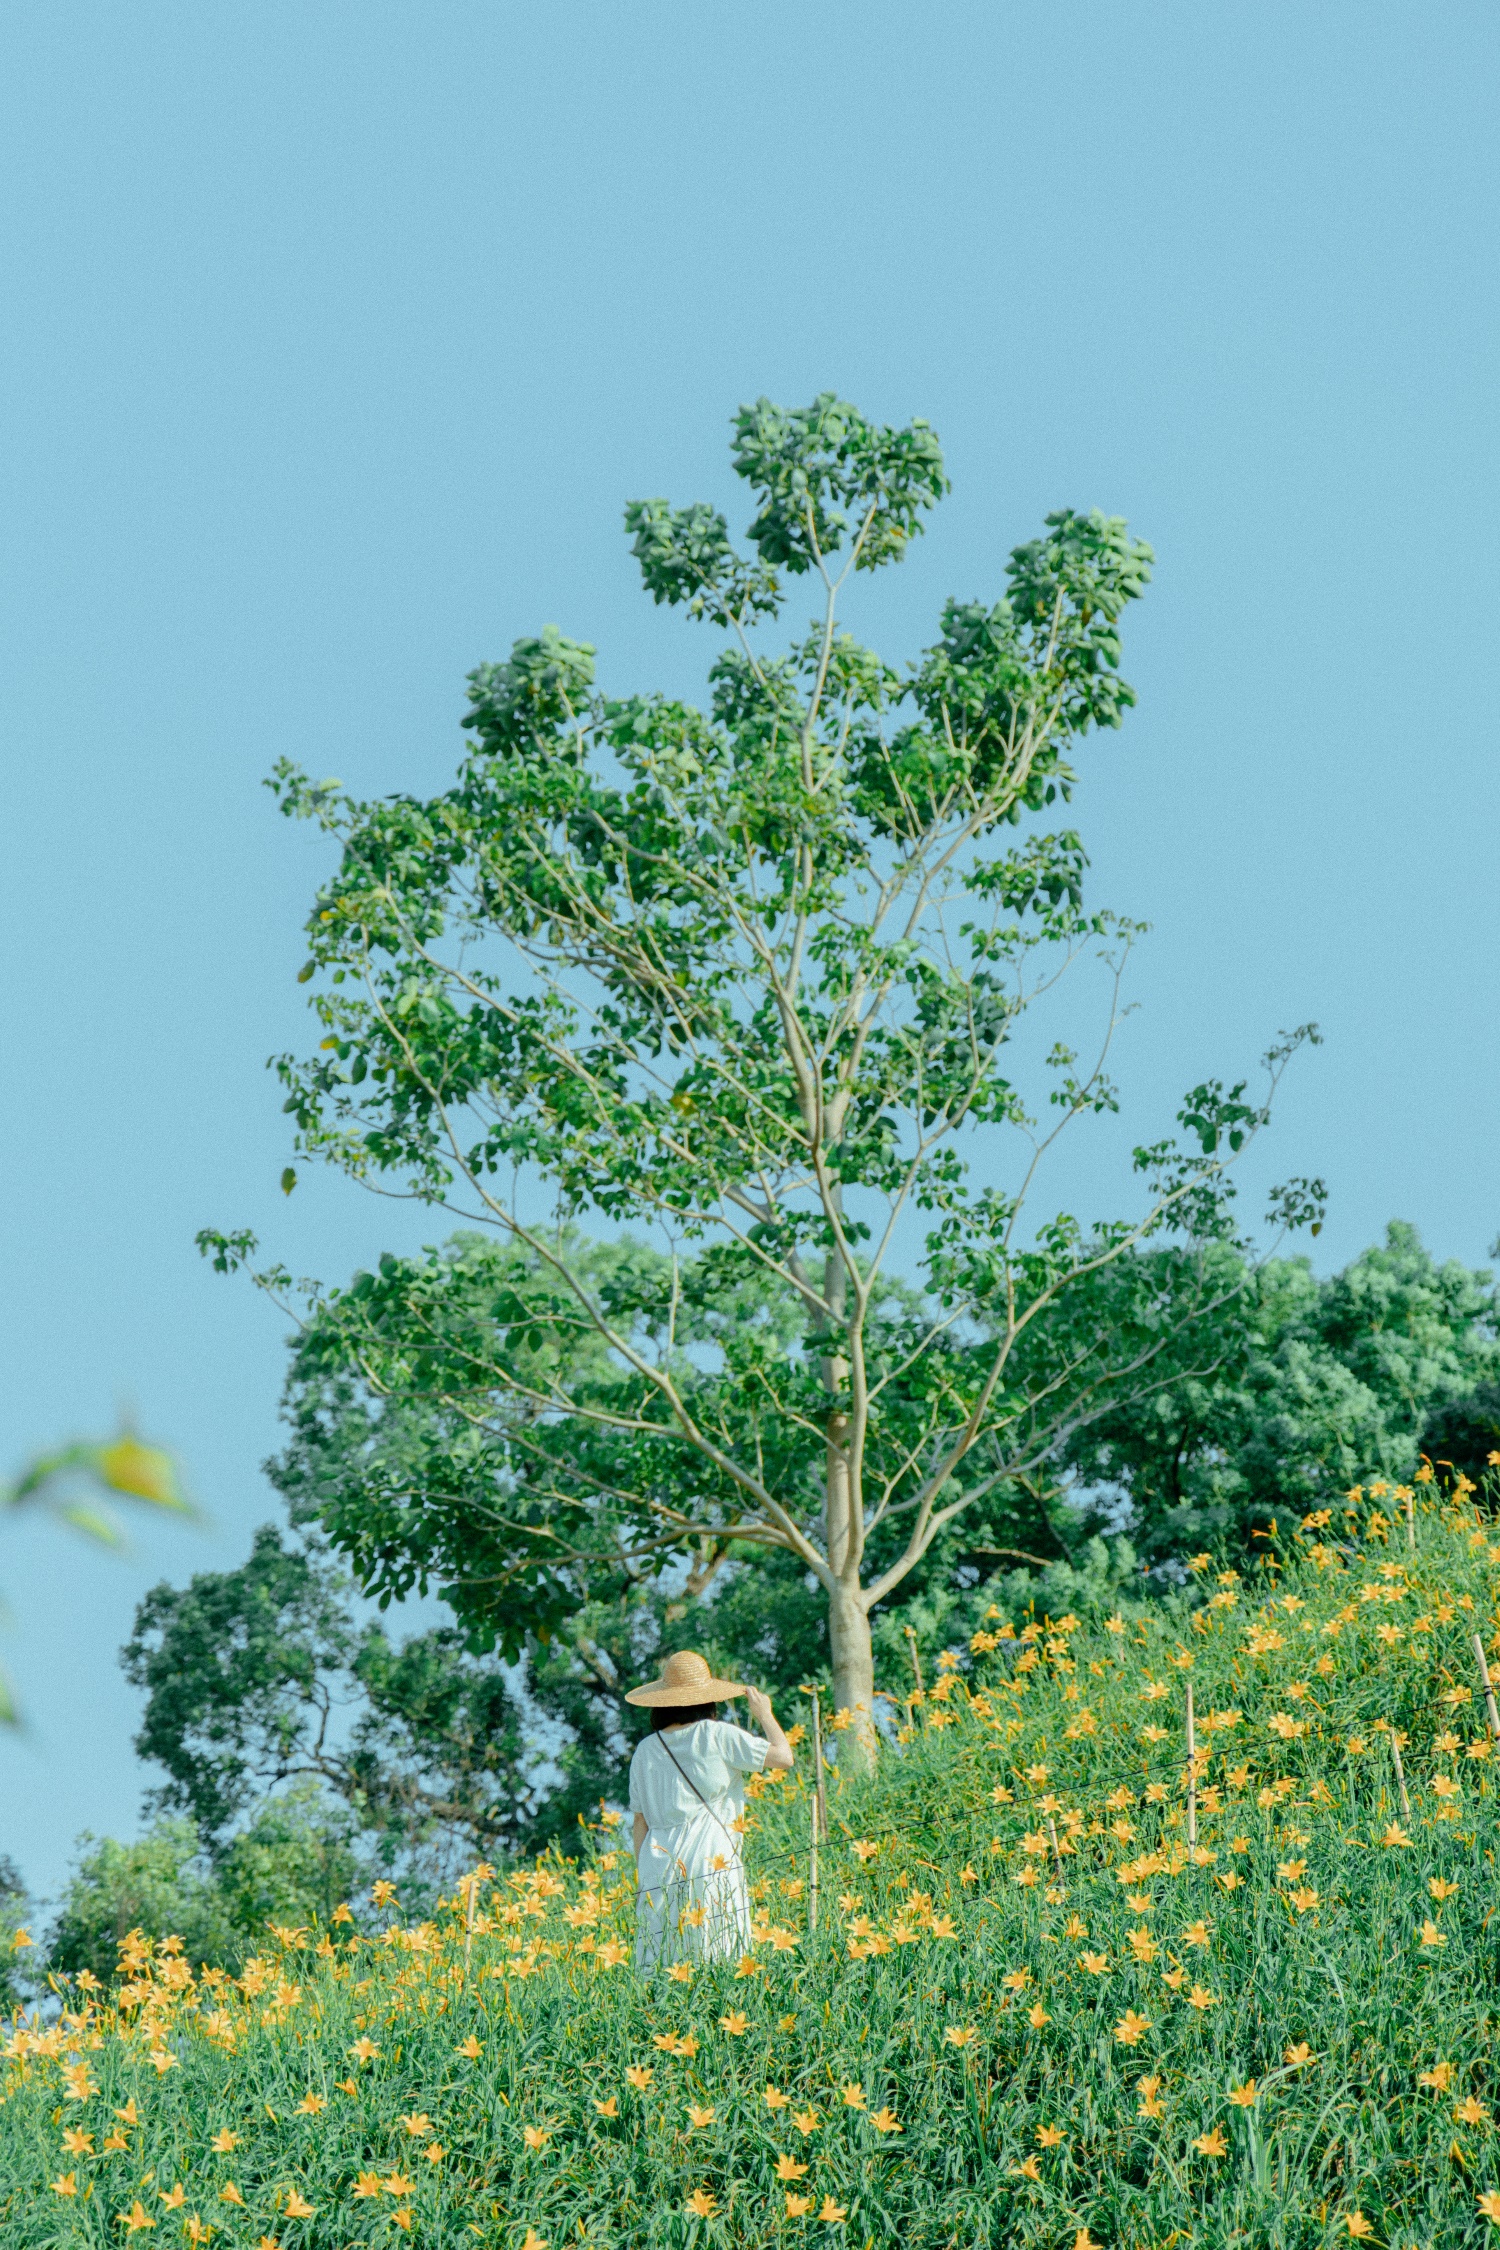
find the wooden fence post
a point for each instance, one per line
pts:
(472, 1886)
(1489, 1689)
(1056, 1851)
(1192, 1772)
(819, 1813)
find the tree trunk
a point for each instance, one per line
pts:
(853, 1678)
(848, 1623)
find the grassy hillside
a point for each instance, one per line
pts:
(1283, 2035)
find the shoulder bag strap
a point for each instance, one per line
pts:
(697, 1792)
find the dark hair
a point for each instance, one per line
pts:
(681, 1714)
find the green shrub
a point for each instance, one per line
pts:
(292, 1863)
(154, 1884)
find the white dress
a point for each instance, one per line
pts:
(691, 1899)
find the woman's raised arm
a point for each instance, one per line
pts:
(779, 1757)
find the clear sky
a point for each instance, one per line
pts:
(336, 336)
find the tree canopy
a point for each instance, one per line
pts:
(707, 1019)
(264, 1680)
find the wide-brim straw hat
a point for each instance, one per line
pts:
(685, 1678)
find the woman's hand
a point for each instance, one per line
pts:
(779, 1755)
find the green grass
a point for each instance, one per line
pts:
(977, 2070)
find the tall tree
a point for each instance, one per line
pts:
(743, 980)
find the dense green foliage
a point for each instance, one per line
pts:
(743, 980)
(442, 1751)
(1312, 1384)
(261, 1677)
(1282, 2035)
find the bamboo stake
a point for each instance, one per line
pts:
(1192, 1772)
(472, 1887)
(1395, 1741)
(1056, 1849)
(916, 1665)
(1411, 1523)
(1489, 1689)
(819, 1814)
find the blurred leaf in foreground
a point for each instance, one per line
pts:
(66, 1484)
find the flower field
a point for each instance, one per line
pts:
(1069, 1984)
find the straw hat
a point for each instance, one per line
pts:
(685, 1679)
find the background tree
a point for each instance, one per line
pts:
(15, 1937)
(264, 1686)
(156, 1884)
(1318, 1385)
(742, 979)
(1463, 1434)
(290, 1861)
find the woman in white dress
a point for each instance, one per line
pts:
(687, 1792)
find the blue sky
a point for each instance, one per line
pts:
(336, 337)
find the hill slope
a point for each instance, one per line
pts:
(1031, 2013)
